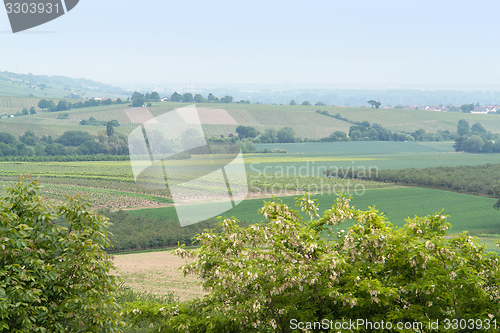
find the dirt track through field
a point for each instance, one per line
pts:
(157, 272)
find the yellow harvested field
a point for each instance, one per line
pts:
(158, 273)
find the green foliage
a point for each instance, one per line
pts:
(102, 143)
(188, 98)
(137, 95)
(43, 104)
(54, 273)
(285, 135)
(198, 98)
(374, 104)
(467, 108)
(130, 300)
(138, 102)
(212, 99)
(292, 102)
(109, 129)
(475, 139)
(93, 122)
(247, 132)
(365, 131)
(29, 138)
(7, 138)
(480, 179)
(262, 277)
(154, 96)
(269, 136)
(336, 136)
(73, 138)
(227, 99)
(132, 232)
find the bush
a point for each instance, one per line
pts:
(73, 138)
(54, 273)
(268, 276)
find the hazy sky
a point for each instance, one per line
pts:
(379, 44)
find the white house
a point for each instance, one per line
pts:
(480, 110)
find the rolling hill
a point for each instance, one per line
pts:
(223, 119)
(44, 86)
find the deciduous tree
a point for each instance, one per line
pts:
(374, 104)
(54, 273)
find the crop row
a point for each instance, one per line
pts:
(102, 116)
(219, 129)
(18, 102)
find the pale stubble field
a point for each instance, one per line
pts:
(157, 273)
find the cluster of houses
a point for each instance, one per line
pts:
(97, 98)
(477, 110)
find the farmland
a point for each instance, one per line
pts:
(157, 272)
(146, 219)
(111, 184)
(397, 203)
(105, 184)
(224, 119)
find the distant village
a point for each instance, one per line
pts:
(450, 108)
(477, 109)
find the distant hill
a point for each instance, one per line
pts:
(222, 119)
(44, 86)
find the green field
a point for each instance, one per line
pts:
(314, 158)
(467, 213)
(360, 148)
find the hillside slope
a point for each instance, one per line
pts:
(222, 119)
(44, 86)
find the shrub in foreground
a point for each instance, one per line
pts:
(268, 276)
(54, 273)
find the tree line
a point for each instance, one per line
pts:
(139, 99)
(134, 232)
(477, 179)
(475, 139)
(270, 135)
(63, 105)
(189, 98)
(364, 131)
(69, 143)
